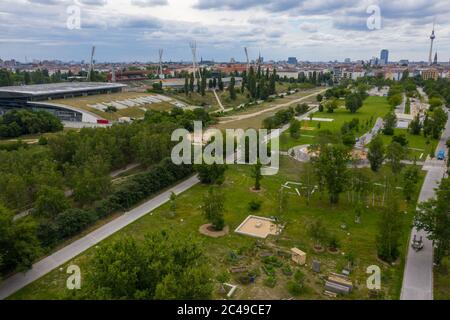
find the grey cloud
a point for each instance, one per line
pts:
(93, 2)
(149, 3)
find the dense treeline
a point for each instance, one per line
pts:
(71, 221)
(42, 76)
(67, 181)
(15, 123)
(259, 84)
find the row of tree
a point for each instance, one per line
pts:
(42, 76)
(15, 123)
(67, 181)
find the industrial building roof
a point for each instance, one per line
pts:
(55, 88)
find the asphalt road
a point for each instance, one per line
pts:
(39, 269)
(418, 276)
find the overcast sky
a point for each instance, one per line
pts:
(314, 30)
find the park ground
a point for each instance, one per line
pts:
(239, 250)
(419, 147)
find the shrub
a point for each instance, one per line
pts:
(333, 242)
(270, 281)
(294, 288)
(254, 205)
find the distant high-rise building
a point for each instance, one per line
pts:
(384, 56)
(374, 61)
(347, 60)
(432, 37)
(292, 60)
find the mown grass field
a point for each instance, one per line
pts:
(356, 238)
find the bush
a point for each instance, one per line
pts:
(294, 288)
(287, 270)
(254, 205)
(270, 281)
(299, 277)
(72, 221)
(333, 242)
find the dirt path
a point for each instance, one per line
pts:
(287, 104)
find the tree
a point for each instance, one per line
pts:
(186, 85)
(433, 217)
(395, 153)
(92, 181)
(401, 140)
(191, 82)
(50, 202)
(440, 118)
(220, 83)
(131, 269)
(319, 98)
(331, 169)
(435, 103)
(390, 231)
(256, 173)
(173, 203)
(390, 122)
(376, 153)
(19, 245)
(353, 102)
(294, 128)
(211, 173)
(331, 105)
(231, 88)
(318, 233)
(213, 206)
(415, 126)
(410, 178)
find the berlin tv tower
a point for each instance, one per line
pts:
(432, 37)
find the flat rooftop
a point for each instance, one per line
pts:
(55, 88)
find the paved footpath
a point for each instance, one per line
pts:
(44, 266)
(418, 276)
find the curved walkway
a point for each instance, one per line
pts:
(44, 266)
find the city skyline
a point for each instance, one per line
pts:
(134, 30)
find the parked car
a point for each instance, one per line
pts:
(441, 154)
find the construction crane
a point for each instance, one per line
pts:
(91, 65)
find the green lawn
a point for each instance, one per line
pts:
(287, 142)
(358, 238)
(418, 144)
(372, 108)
